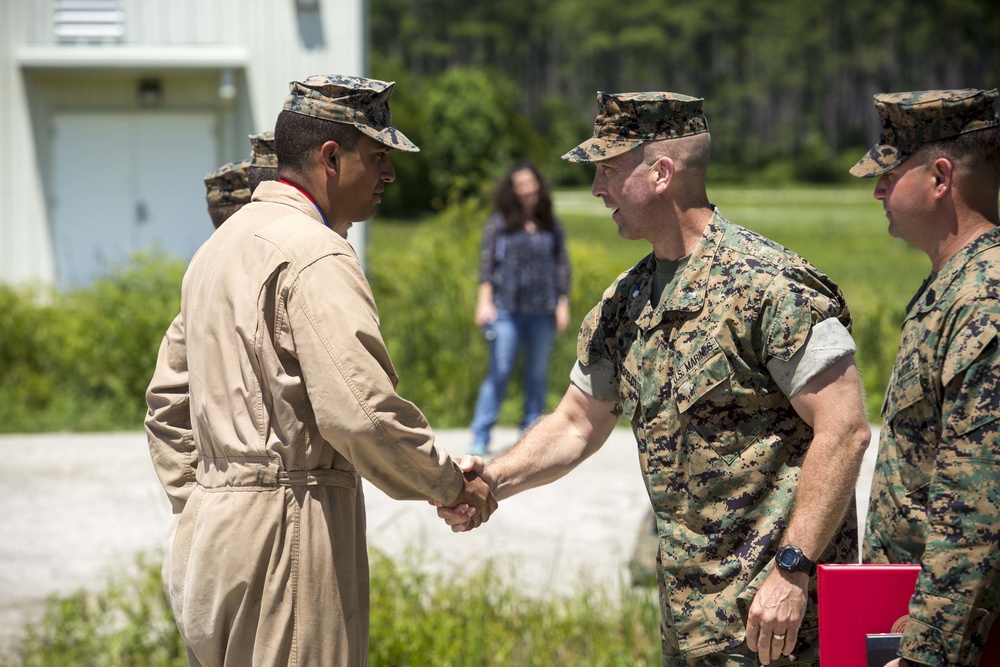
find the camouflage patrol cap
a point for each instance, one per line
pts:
(355, 100)
(228, 185)
(914, 118)
(627, 120)
(262, 150)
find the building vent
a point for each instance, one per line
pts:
(89, 20)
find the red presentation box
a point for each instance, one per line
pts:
(860, 600)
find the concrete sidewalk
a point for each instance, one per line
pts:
(74, 509)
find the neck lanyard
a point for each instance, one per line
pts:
(309, 197)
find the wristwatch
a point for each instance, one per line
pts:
(791, 559)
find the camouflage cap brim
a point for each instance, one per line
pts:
(596, 149)
(390, 137)
(877, 161)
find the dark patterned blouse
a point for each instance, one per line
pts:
(529, 271)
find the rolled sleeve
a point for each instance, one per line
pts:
(828, 342)
(797, 299)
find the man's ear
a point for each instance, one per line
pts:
(330, 156)
(943, 172)
(663, 173)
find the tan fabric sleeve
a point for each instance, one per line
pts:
(828, 341)
(596, 379)
(168, 420)
(351, 383)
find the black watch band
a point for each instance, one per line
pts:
(791, 559)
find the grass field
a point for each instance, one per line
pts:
(840, 229)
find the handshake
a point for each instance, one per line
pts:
(476, 503)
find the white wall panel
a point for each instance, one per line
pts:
(283, 44)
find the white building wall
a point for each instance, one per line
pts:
(40, 76)
(25, 244)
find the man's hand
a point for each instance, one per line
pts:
(776, 614)
(476, 502)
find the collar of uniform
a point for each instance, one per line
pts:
(692, 285)
(952, 269)
(282, 193)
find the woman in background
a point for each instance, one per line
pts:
(523, 295)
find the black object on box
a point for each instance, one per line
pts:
(882, 648)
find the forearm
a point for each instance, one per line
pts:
(554, 445)
(826, 487)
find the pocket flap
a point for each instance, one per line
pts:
(712, 371)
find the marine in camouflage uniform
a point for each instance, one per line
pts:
(936, 490)
(712, 372)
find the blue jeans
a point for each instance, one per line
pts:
(511, 333)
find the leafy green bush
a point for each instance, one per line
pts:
(426, 299)
(416, 619)
(128, 624)
(82, 360)
(410, 196)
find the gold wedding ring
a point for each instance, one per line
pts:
(780, 637)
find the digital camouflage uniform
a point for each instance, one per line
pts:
(935, 496)
(720, 445)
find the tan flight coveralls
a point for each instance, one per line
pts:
(273, 394)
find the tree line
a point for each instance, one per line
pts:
(783, 80)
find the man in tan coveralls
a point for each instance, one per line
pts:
(276, 395)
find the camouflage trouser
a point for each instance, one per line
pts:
(739, 656)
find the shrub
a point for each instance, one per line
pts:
(128, 624)
(82, 360)
(416, 619)
(426, 299)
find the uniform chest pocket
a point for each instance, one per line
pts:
(911, 417)
(718, 411)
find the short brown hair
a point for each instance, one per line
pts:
(977, 151)
(296, 136)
